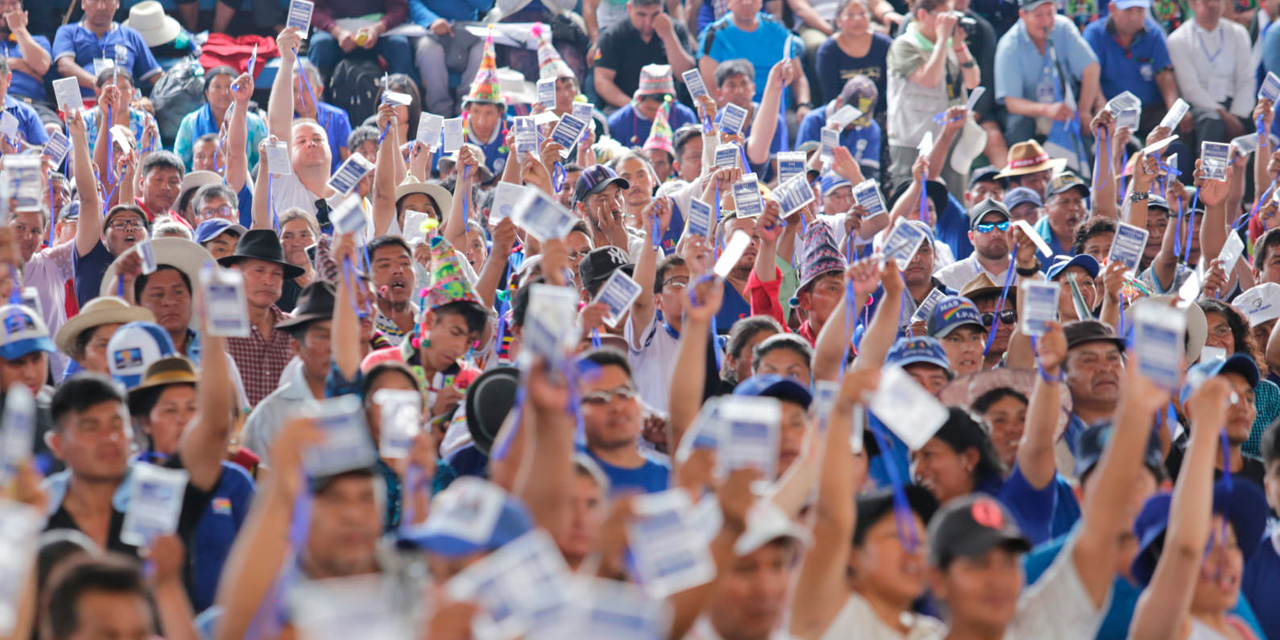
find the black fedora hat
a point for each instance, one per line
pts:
(261, 244)
(488, 401)
(314, 303)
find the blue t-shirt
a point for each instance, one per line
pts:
(217, 530)
(733, 309)
(724, 41)
(627, 126)
(952, 228)
(650, 477)
(1032, 508)
(1124, 594)
(30, 127)
(1259, 585)
(835, 67)
(337, 126)
(495, 154)
(1134, 69)
(121, 43)
(863, 143)
(1020, 67)
(89, 270)
(24, 84)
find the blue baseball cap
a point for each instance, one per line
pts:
(1062, 263)
(1091, 442)
(772, 385)
(832, 181)
(594, 179)
(472, 516)
(1244, 506)
(908, 351)
(24, 332)
(951, 313)
(1239, 363)
(1022, 195)
(133, 347)
(214, 227)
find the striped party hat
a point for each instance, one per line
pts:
(486, 88)
(656, 79)
(448, 282)
(660, 133)
(550, 64)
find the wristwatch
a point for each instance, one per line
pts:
(1138, 197)
(1028, 272)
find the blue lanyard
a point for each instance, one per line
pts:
(1222, 38)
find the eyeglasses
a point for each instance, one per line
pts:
(603, 397)
(988, 227)
(1221, 331)
(217, 212)
(676, 283)
(125, 225)
(1007, 317)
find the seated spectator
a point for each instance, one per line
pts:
(1218, 83)
(121, 111)
(568, 33)
(29, 58)
(855, 50)
(85, 49)
(332, 42)
(756, 37)
(1134, 57)
(484, 110)
(30, 129)
(444, 48)
(629, 45)
(862, 136)
(630, 125)
(735, 82)
(211, 117)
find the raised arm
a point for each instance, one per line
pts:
(384, 172)
(833, 341)
(89, 230)
(490, 276)
(642, 309)
(691, 360)
(820, 591)
(238, 133)
(280, 103)
(765, 122)
(1213, 229)
(455, 227)
(346, 326)
(102, 144)
(261, 187)
(205, 439)
(1164, 608)
(1105, 183)
(1035, 453)
(954, 119)
(546, 473)
(883, 328)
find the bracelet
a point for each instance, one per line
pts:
(1138, 197)
(1027, 273)
(968, 65)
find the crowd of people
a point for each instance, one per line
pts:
(379, 338)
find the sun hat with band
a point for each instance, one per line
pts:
(149, 19)
(260, 244)
(438, 194)
(160, 374)
(99, 311)
(1029, 157)
(182, 254)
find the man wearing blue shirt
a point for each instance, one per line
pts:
(30, 128)
(611, 416)
(862, 137)
(1038, 62)
(630, 125)
(759, 38)
(97, 42)
(29, 56)
(1134, 57)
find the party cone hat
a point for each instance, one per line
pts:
(448, 283)
(550, 64)
(660, 133)
(485, 87)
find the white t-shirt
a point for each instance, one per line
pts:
(857, 620)
(1056, 607)
(653, 361)
(288, 191)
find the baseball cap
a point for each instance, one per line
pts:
(1022, 195)
(1247, 515)
(972, 525)
(1067, 181)
(980, 211)
(133, 348)
(594, 179)
(214, 227)
(1091, 442)
(951, 313)
(1062, 263)
(1027, 5)
(767, 522)
(471, 516)
(70, 212)
(861, 93)
(1085, 331)
(1259, 304)
(985, 174)
(832, 181)
(878, 504)
(1240, 363)
(598, 265)
(24, 332)
(1129, 4)
(772, 385)
(1156, 202)
(908, 351)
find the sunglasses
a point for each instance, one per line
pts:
(1007, 317)
(603, 397)
(988, 227)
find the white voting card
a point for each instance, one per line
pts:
(155, 502)
(1039, 306)
(300, 16)
(1127, 246)
(618, 293)
(733, 250)
(906, 408)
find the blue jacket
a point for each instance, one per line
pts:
(426, 12)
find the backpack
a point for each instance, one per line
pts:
(178, 92)
(354, 88)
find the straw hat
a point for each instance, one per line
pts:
(101, 310)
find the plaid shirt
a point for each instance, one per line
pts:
(261, 361)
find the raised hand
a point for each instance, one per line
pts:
(1052, 347)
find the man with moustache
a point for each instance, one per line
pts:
(391, 265)
(263, 355)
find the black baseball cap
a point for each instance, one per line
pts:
(594, 179)
(980, 210)
(598, 265)
(1091, 442)
(970, 526)
(876, 505)
(985, 174)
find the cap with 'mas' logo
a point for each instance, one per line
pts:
(951, 313)
(133, 347)
(24, 332)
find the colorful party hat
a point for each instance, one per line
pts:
(486, 88)
(550, 64)
(819, 254)
(448, 282)
(660, 132)
(656, 79)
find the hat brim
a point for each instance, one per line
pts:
(290, 271)
(1196, 322)
(786, 389)
(977, 543)
(1052, 164)
(438, 194)
(1246, 510)
(20, 348)
(299, 320)
(620, 181)
(946, 330)
(165, 33)
(629, 269)
(872, 508)
(182, 254)
(440, 544)
(81, 322)
(484, 431)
